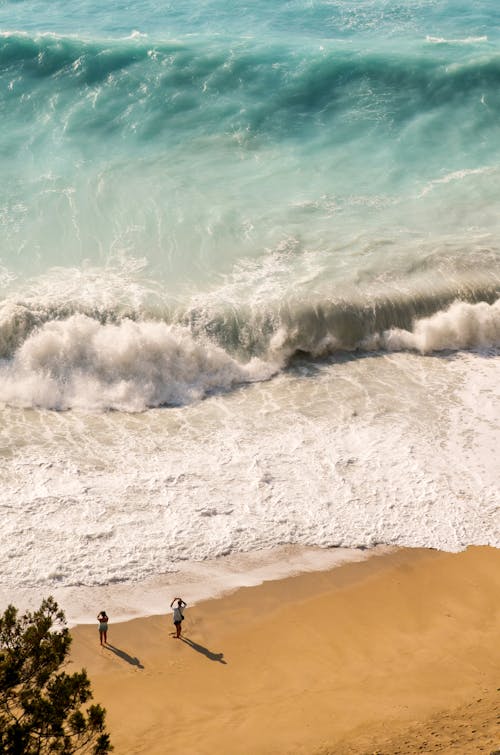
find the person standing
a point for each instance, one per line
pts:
(178, 615)
(102, 618)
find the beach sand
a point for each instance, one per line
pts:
(399, 653)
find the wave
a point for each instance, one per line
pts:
(80, 363)
(461, 326)
(247, 329)
(93, 363)
(138, 86)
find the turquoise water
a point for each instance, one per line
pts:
(199, 139)
(249, 280)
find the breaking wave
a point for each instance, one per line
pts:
(129, 365)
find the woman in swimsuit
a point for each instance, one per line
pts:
(103, 627)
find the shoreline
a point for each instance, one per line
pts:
(322, 662)
(198, 581)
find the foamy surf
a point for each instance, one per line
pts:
(197, 581)
(82, 363)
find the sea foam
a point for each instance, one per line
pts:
(81, 363)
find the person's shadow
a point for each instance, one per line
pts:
(125, 656)
(219, 657)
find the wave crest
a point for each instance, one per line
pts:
(137, 85)
(80, 363)
(462, 326)
(96, 364)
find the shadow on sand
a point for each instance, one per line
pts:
(219, 657)
(124, 656)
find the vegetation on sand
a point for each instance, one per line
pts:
(43, 709)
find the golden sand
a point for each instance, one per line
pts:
(396, 654)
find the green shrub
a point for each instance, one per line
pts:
(42, 708)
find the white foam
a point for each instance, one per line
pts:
(390, 450)
(459, 41)
(80, 363)
(457, 175)
(194, 581)
(135, 34)
(461, 326)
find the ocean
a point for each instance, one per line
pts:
(249, 291)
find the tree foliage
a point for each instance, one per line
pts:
(42, 708)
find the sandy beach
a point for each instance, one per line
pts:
(396, 654)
